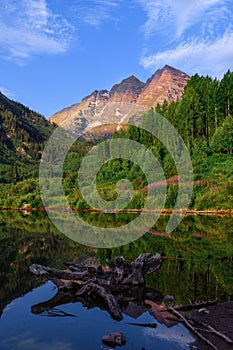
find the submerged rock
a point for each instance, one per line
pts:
(168, 298)
(114, 339)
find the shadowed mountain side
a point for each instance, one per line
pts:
(23, 132)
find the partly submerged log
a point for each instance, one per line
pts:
(131, 301)
(119, 289)
(119, 272)
(116, 286)
(110, 300)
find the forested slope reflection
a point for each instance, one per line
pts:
(197, 256)
(25, 239)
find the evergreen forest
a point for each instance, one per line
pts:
(203, 118)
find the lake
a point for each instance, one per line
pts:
(197, 266)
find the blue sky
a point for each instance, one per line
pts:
(54, 52)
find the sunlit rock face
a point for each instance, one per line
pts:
(104, 111)
(166, 84)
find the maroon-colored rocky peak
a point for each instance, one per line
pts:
(126, 91)
(166, 84)
(128, 98)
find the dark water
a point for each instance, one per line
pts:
(197, 267)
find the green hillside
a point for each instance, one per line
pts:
(23, 133)
(204, 119)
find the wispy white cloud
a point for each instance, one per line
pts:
(178, 335)
(6, 92)
(196, 36)
(27, 341)
(178, 16)
(213, 58)
(35, 27)
(29, 27)
(37, 13)
(157, 13)
(96, 12)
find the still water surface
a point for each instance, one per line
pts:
(197, 267)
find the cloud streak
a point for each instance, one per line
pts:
(177, 335)
(6, 92)
(178, 16)
(195, 36)
(213, 58)
(96, 12)
(29, 27)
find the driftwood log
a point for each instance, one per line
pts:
(108, 288)
(120, 288)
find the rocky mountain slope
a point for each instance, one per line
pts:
(103, 111)
(166, 84)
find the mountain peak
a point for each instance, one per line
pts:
(170, 68)
(128, 89)
(165, 84)
(129, 97)
(173, 70)
(131, 79)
